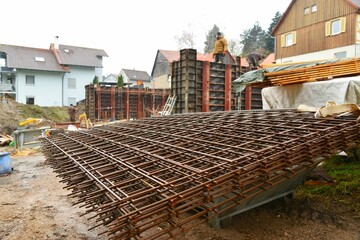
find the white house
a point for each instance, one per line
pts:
(48, 77)
(135, 78)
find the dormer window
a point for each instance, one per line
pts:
(66, 50)
(40, 59)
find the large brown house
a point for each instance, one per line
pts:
(318, 29)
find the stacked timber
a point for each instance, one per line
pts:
(314, 73)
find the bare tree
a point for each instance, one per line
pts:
(234, 47)
(186, 40)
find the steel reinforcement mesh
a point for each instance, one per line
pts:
(157, 177)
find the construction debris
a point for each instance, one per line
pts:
(5, 139)
(157, 177)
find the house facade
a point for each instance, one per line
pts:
(311, 30)
(48, 77)
(135, 78)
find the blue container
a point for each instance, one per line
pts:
(5, 163)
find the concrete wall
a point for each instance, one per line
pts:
(350, 51)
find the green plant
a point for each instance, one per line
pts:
(120, 81)
(96, 80)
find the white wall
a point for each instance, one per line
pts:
(47, 89)
(83, 76)
(351, 51)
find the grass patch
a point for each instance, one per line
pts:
(346, 189)
(54, 114)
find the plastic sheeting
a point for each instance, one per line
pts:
(314, 94)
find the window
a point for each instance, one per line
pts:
(288, 39)
(335, 26)
(340, 55)
(30, 80)
(306, 11)
(314, 8)
(2, 62)
(30, 100)
(72, 83)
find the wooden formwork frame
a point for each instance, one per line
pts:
(97, 109)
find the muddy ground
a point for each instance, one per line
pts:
(34, 205)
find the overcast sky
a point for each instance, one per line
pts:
(130, 31)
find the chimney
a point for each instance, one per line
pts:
(56, 42)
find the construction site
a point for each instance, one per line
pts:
(202, 160)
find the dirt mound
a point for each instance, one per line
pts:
(12, 113)
(9, 116)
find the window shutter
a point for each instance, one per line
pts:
(328, 28)
(283, 40)
(343, 24)
(294, 37)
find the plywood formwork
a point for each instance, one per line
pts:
(155, 178)
(202, 86)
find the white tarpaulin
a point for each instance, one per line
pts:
(315, 94)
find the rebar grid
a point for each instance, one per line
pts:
(154, 178)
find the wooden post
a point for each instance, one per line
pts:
(98, 101)
(248, 98)
(227, 87)
(127, 106)
(139, 104)
(112, 102)
(205, 86)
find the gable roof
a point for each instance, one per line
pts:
(30, 58)
(137, 75)
(172, 56)
(270, 59)
(354, 3)
(79, 56)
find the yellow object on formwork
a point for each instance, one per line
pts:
(33, 121)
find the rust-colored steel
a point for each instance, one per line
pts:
(157, 177)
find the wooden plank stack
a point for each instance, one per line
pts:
(311, 74)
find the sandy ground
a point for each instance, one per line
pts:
(34, 205)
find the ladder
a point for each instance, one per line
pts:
(169, 105)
